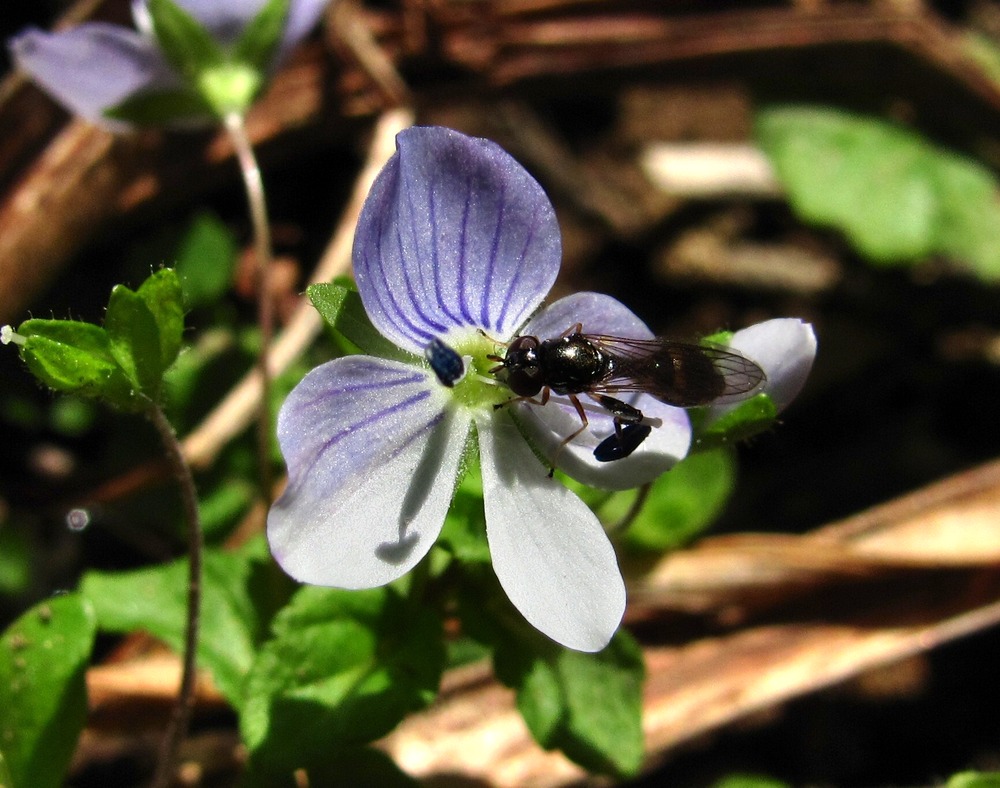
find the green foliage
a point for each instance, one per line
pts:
(748, 781)
(15, 562)
(185, 43)
(895, 196)
(259, 41)
(75, 357)
(680, 504)
(751, 417)
(587, 705)
(159, 107)
(155, 600)
(122, 363)
(204, 260)
(343, 668)
(341, 307)
(43, 659)
(975, 780)
(464, 531)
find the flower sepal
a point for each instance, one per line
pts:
(340, 305)
(748, 418)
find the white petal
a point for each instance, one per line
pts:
(784, 348)
(373, 456)
(666, 445)
(549, 551)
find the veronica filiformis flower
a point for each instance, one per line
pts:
(455, 249)
(109, 74)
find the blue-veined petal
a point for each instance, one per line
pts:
(92, 67)
(454, 234)
(549, 551)
(373, 456)
(548, 426)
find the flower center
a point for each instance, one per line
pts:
(478, 389)
(229, 87)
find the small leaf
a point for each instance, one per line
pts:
(155, 600)
(188, 46)
(587, 705)
(343, 668)
(75, 357)
(160, 107)
(681, 503)
(43, 659)
(204, 260)
(260, 39)
(162, 295)
(894, 195)
(749, 781)
(329, 299)
(975, 780)
(134, 340)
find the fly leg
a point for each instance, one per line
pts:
(583, 425)
(630, 432)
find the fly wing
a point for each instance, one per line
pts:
(678, 373)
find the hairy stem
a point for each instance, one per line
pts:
(263, 251)
(178, 726)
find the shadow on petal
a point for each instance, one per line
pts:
(419, 490)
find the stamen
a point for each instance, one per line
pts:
(8, 335)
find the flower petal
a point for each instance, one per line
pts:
(784, 348)
(548, 426)
(373, 458)
(549, 551)
(302, 17)
(223, 19)
(454, 235)
(92, 67)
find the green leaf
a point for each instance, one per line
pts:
(975, 780)
(188, 46)
(204, 260)
(262, 35)
(155, 600)
(134, 340)
(75, 357)
(681, 503)
(6, 781)
(329, 299)
(43, 659)
(751, 417)
(341, 307)
(15, 562)
(895, 196)
(343, 668)
(160, 107)
(162, 295)
(587, 705)
(464, 531)
(748, 781)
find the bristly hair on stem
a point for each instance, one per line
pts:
(189, 500)
(263, 251)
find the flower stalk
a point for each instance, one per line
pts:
(181, 717)
(253, 183)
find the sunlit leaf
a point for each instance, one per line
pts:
(43, 697)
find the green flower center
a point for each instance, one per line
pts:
(479, 389)
(229, 86)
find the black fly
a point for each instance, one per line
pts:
(678, 373)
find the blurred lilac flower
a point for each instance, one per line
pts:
(454, 251)
(98, 67)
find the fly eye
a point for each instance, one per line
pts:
(525, 380)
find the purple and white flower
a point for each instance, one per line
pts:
(458, 245)
(95, 67)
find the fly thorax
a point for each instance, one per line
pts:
(572, 364)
